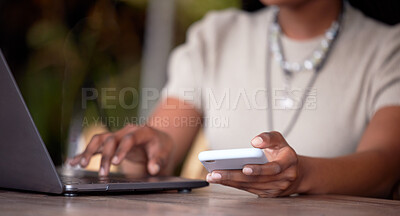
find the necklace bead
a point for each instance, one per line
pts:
(308, 64)
(290, 68)
(315, 62)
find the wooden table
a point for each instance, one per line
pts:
(213, 200)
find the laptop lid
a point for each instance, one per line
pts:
(24, 161)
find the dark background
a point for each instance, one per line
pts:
(53, 46)
(387, 11)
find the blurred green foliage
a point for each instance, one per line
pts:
(104, 48)
(189, 11)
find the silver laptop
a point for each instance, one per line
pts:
(25, 163)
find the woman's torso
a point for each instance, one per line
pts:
(234, 86)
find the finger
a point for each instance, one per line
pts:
(84, 158)
(272, 140)
(262, 193)
(237, 185)
(234, 184)
(238, 176)
(231, 175)
(119, 135)
(257, 188)
(95, 146)
(274, 185)
(273, 143)
(271, 168)
(208, 178)
(92, 148)
(157, 157)
(80, 159)
(153, 166)
(108, 151)
(136, 136)
(289, 174)
(270, 189)
(144, 135)
(126, 144)
(126, 141)
(75, 160)
(286, 159)
(268, 193)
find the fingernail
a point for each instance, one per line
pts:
(216, 176)
(257, 141)
(114, 160)
(102, 171)
(208, 178)
(83, 162)
(247, 171)
(154, 169)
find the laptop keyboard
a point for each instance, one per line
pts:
(95, 180)
(113, 179)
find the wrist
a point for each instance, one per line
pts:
(304, 170)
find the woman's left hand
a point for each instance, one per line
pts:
(279, 177)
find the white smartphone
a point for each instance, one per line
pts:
(231, 159)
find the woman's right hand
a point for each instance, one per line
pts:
(138, 144)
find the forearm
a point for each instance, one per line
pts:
(367, 173)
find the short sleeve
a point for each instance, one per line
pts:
(186, 69)
(191, 64)
(385, 84)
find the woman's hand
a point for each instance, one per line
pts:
(279, 177)
(138, 144)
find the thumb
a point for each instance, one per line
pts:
(269, 140)
(273, 142)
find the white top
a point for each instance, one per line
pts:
(221, 69)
